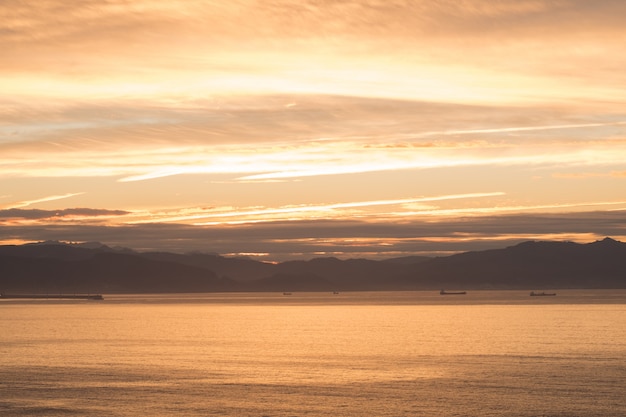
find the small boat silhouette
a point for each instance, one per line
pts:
(542, 294)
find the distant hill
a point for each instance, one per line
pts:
(240, 269)
(408, 260)
(601, 264)
(57, 267)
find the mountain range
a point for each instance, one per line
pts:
(56, 267)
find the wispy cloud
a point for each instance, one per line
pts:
(21, 204)
(539, 208)
(261, 139)
(231, 215)
(470, 51)
(406, 210)
(37, 214)
(517, 129)
(338, 206)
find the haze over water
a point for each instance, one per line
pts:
(349, 354)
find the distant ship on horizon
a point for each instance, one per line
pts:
(542, 294)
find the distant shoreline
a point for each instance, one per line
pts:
(53, 296)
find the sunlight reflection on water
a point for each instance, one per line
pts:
(497, 353)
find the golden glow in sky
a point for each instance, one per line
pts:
(291, 128)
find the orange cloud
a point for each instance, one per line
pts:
(21, 204)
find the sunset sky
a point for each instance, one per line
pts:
(297, 129)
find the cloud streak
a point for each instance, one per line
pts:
(21, 204)
(279, 142)
(37, 214)
(338, 206)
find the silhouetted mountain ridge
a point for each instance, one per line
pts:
(107, 272)
(533, 264)
(94, 267)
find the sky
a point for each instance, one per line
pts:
(297, 129)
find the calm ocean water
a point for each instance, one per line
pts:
(349, 354)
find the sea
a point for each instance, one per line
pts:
(413, 353)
